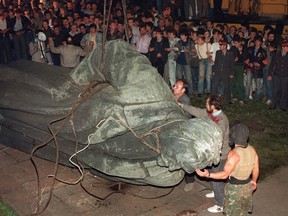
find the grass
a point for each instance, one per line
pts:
(268, 132)
(6, 210)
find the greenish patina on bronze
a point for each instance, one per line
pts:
(126, 112)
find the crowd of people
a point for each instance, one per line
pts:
(236, 63)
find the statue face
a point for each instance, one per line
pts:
(190, 144)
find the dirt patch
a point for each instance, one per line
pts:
(253, 126)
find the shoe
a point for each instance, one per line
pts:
(210, 195)
(269, 102)
(250, 97)
(215, 209)
(188, 187)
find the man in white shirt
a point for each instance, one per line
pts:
(142, 41)
(205, 66)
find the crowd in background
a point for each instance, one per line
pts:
(62, 32)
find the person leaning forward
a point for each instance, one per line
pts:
(214, 111)
(242, 171)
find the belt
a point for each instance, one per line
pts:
(233, 180)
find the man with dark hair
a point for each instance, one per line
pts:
(223, 70)
(19, 26)
(214, 111)
(255, 60)
(69, 54)
(158, 55)
(5, 50)
(242, 162)
(142, 41)
(278, 73)
(92, 37)
(237, 83)
(183, 59)
(170, 67)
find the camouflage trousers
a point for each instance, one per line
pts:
(238, 199)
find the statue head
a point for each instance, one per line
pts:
(190, 144)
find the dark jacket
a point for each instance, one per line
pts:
(25, 23)
(6, 35)
(159, 48)
(258, 57)
(188, 55)
(279, 65)
(224, 65)
(241, 56)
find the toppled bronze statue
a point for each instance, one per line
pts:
(117, 104)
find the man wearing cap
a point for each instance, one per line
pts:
(242, 162)
(278, 73)
(223, 70)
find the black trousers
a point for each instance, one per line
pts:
(217, 81)
(280, 91)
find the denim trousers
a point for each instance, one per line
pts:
(184, 72)
(267, 85)
(172, 71)
(248, 84)
(258, 86)
(218, 185)
(205, 74)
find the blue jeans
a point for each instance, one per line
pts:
(248, 84)
(267, 85)
(205, 74)
(172, 71)
(184, 72)
(259, 88)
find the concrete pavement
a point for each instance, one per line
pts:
(18, 187)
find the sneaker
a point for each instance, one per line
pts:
(250, 97)
(269, 102)
(215, 209)
(210, 195)
(188, 187)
